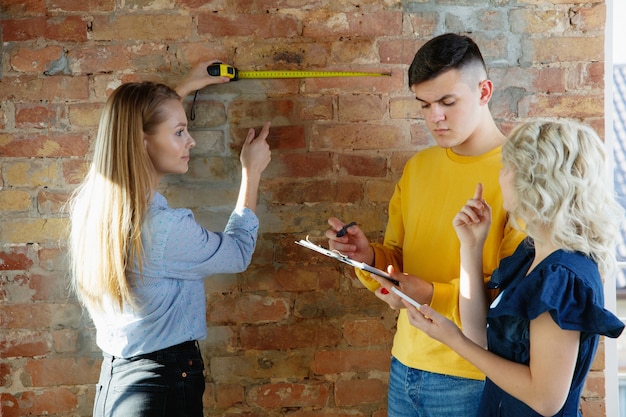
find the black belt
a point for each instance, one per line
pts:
(185, 346)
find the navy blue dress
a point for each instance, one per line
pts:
(569, 287)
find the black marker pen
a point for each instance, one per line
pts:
(342, 232)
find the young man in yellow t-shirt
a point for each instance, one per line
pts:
(449, 78)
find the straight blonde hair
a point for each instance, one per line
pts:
(107, 210)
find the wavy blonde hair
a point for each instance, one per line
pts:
(108, 208)
(562, 184)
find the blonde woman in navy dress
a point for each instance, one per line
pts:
(542, 330)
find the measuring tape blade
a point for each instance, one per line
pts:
(309, 74)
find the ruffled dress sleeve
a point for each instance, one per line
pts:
(569, 287)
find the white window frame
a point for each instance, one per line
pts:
(610, 293)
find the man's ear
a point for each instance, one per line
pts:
(486, 91)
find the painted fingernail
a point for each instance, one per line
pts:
(384, 291)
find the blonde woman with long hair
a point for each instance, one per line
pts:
(138, 265)
(541, 332)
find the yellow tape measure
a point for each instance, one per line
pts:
(224, 70)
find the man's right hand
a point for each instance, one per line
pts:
(354, 244)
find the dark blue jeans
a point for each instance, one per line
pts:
(166, 383)
(416, 393)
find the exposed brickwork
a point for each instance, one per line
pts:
(294, 335)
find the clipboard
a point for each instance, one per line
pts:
(411, 301)
(343, 258)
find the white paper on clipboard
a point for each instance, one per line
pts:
(343, 258)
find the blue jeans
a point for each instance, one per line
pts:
(416, 393)
(169, 382)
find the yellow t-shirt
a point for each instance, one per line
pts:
(420, 240)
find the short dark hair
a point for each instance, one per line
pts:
(443, 53)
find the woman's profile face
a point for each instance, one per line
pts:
(168, 147)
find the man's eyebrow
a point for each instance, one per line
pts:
(438, 100)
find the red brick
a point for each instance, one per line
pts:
(362, 165)
(337, 304)
(228, 395)
(65, 340)
(73, 6)
(100, 58)
(316, 108)
(594, 385)
(281, 395)
(284, 137)
(545, 80)
(303, 192)
(564, 49)
(260, 26)
(323, 24)
(37, 116)
(263, 365)
(66, 29)
(157, 27)
(359, 391)
(5, 376)
(267, 6)
(50, 372)
(347, 85)
(51, 89)
(357, 136)
(34, 60)
(38, 316)
(293, 165)
(367, 332)
(331, 412)
(15, 259)
(52, 201)
(354, 51)
(23, 7)
(338, 361)
(247, 309)
(14, 30)
(50, 401)
(588, 18)
(85, 115)
(284, 56)
(75, 170)
(399, 51)
(312, 278)
(24, 344)
(278, 337)
(593, 407)
(53, 258)
(51, 145)
(248, 113)
(49, 287)
(574, 106)
(585, 76)
(9, 405)
(349, 192)
(360, 107)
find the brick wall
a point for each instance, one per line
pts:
(294, 335)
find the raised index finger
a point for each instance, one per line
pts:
(478, 194)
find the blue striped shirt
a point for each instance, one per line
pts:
(171, 304)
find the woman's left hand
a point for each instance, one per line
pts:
(198, 77)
